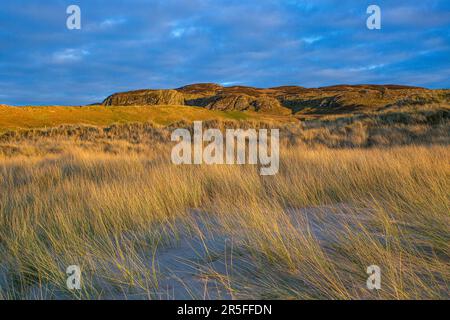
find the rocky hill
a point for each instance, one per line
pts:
(285, 99)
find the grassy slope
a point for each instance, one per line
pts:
(13, 118)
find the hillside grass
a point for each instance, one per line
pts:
(100, 191)
(113, 211)
(15, 118)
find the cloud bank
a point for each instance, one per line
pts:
(134, 44)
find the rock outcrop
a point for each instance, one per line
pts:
(145, 97)
(285, 99)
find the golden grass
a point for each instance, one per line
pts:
(13, 118)
(111, 213)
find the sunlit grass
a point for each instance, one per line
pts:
(111, 213)
(13, 118)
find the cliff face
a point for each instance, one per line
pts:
(145, 97)
(283, 100)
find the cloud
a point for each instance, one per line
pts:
(229, 83)
(108, 24)
(69, 56)
(415, 16)
(368, 68)
(183, 31)
(133, 44)
(312, 39)
(111, 22)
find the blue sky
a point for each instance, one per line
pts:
(133, 44)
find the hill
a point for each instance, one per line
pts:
(286, 99)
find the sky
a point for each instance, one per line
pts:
(137, 44)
